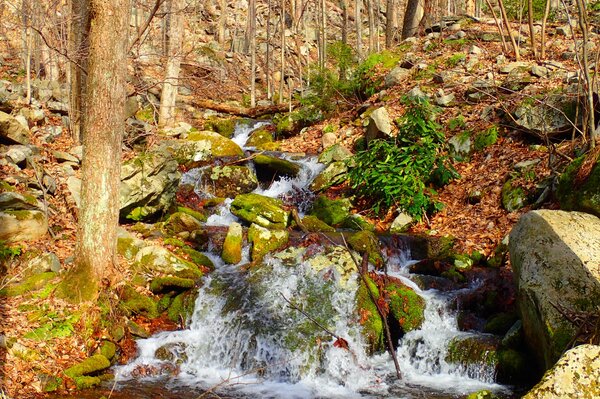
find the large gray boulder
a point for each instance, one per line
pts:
(379, 125)
(12, 131)
(148, 184)
(575, 376)
(227, 181)
(552, 116)
(555, 256)
(21, 225)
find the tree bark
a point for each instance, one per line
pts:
(95, 256)
(372, 28)
(390, 23)
(509, 30)
(358, 22)
(78, 49)
(410, 23)
(168, 97)
(252, 19)
(531, 29)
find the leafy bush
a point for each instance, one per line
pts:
(486, 138)
(368, 77)
(398, 171)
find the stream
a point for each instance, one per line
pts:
(248, 339)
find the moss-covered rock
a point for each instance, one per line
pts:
(367, 242)
(372, 325)
(91, 365)
(264, 211)
(486, 138)
(484, 394)
(108, 350)
(500, 323)
(224, 126)
(159, 260)
(137, 330)
(133, 302)
(51, 383)
(332, 212)
(357, 222)
(180, 222)
(209, 145)
(335, 153)
(86, 382)
(182, 307)
(276, 165)
(232, 246)
(264, 240)
(336, 259)
(173, 353)
(407, 307)
(314, 224)
(260, 138)
(128, 245)
(165, 284)
(335, 173)
(581, 196)
(227, 181)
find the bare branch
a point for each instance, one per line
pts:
(59, 51)
(146, 24)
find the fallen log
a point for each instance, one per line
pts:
(242, 111)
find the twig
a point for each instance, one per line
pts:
(146, 24)
(298, 221)
(309, 317)
(63, 53)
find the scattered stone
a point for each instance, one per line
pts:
(379, 125)
(89, 366)
(526, 165)
(460, 147)
(22, 225)
(328, 139)
(444, 100)
(48, 262)
(226, 181)
(401, 223)
(12, 131)
(62, 156)
(539, 71)
(314, 225)
(514, 197)
(161, 261)
(332, 212)
(581, 196)
(335, 173)
(396, 76)
(136, 330)
(334, 153)
(475, 50)
(58, 107)
(277, 165)
(511, 66)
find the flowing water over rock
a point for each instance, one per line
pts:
(288, 327)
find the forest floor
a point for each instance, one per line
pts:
(477, 226)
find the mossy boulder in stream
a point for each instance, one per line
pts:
(180, 222)
(209, 145)
(81, 372)
(367, 242)
(264, 211)
(160, 261)
(264, 240)
(224, 126)
(332, 212)
(315, 225)
(260, 138)
(232, 247)
(407, 307)
(134, 302)
(228, 181)
(276, 165)
(580, 196)
(335, 173)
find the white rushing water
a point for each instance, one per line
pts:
(245, 339)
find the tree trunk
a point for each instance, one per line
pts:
(268, 55)
(372, 29)
(358, 22)
(390, 23)
(168, 97)
(531, 30)
(282, 66)
(323, 33)
(252, 19)
(344, 4)
(222, 22)
(543, 33)
(513, 42)
(104, 124)
(410, 23)
(78, 50)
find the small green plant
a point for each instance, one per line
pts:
(398, 172)
(8, 253)
(456, 43)
(368, 77)
(486, 138)
(457, 123)
(455, 59)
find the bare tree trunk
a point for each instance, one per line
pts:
(252, 18)
(509, 30)
(410, 23)
(282, 78)
(323, 33)
(78, 48)
(222, 22)
(344, 4)
(372, 28)
(268, 55)
(95, 256)
(588, 84)
(543, 33)
(531, 30)
(390, 23)
(499, 26)
(168, 97)
(358, 22)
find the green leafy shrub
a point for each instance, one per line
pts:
(368, 77)
(398, 171)
(455, 59)
(486, 138)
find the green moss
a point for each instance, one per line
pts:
(91, 365)
(332, 212)
(513, 366)
(224, 126)
(163, 284)
(372, 325)
(277, 164)
(132, 302)
(232, 246)
(357, 222)
(265, 241)
(314, 224)
(146, 114)
(108, 349)
(54, 326)
(513, 197)
(182, 307)
(455, 59)
(86, 382)
(52, 384)
(406, 306)
(259, 138)
(583, 197)
(264, 211)
(23, 215)
(367, 242)
(463, 262)
(164, 302)
(195, 214)
(198, 258)
(482, 395)
(32, 284)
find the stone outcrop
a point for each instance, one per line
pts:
(264, 211)
(555, 256)
(575, 376)
(12, 131)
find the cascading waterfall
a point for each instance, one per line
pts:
(251, 337)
